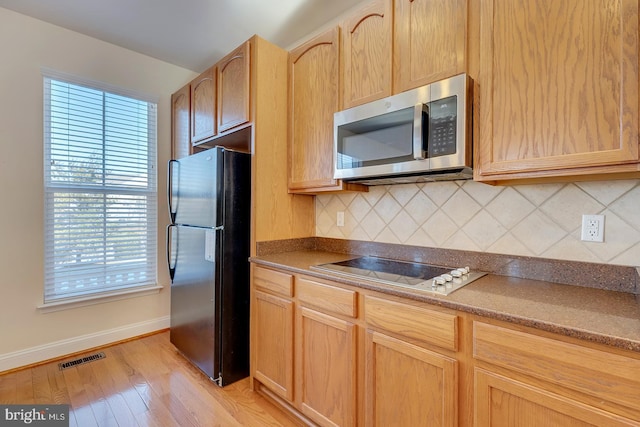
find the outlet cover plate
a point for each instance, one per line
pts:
(592, 228)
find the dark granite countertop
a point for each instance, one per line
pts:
(597, 315)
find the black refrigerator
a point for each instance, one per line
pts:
(208, 255)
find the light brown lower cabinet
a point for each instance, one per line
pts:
(272, 317)
(327, 376)
(335, 355)
(502, 401)
(407, 385)
(273, 346)
(525, 379)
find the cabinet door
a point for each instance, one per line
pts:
(233, 89)
(407, 385)
(559, 87)
(272, 344)
(429, 43)
(313, 97)
(203, 106)
(180, 108)
(366, 54)
(327, 380)
(501, 401)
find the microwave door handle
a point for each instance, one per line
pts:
(420, 123)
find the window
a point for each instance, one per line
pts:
(100, 190)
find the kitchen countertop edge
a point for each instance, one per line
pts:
(298, 262)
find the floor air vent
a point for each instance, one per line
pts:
(80, 361)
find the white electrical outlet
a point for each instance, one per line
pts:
(340, 219)
(593, 228)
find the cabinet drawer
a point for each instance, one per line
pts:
(273, 281)
(429, 326)
(327, 298)
(594, 372)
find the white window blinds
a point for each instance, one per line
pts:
(100, 191)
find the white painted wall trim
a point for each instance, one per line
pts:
(61, 348)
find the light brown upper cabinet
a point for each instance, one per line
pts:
(233, 88)
(314, 84)
(393, 46)
(203, 106)
(429, 41)
(220, 98)
(180, 108)
(558, 89)
(366, 54)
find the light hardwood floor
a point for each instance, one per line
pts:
(143, 382)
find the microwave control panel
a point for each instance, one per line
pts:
(442, 127)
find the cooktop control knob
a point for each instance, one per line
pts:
(462, 270)
(439, 280)
(447, 277)
(456, 273)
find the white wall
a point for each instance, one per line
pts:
(26, 46)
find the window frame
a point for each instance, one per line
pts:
(149, 193)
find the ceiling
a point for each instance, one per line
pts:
(193, 34)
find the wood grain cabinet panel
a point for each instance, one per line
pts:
(272, 320)
(273, 281)
(502, 401)
(593, 372)
(272, 346)
(366, 54)
(407, 385)
(421, 324)
(327, 379)
(429, 41)
(180, 123)
(233, 88)
(328, 299)
(313, 99)
(558, 88)
(203, 106)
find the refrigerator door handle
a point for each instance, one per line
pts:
(210, 244)
(173, 208)
(171, 254)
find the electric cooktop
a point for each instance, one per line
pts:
(422, 277)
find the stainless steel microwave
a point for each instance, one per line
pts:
(420, 135)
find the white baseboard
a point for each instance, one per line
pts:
(61, 348)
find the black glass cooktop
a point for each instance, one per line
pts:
(392, 267)
(413, 275)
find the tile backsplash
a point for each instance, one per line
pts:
(542, 220)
